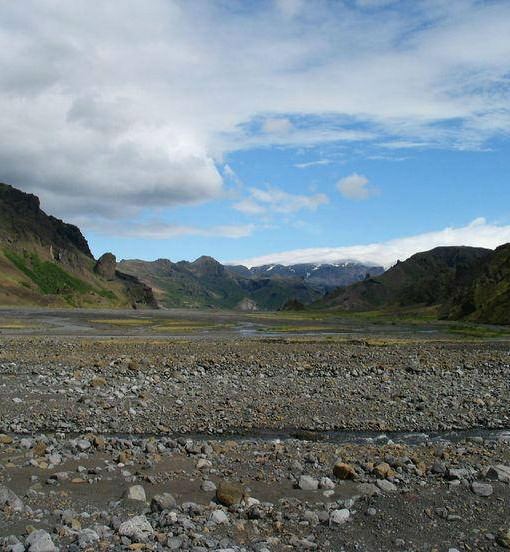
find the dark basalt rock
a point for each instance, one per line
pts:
(106, 266)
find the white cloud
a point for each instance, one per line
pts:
(313, 164)
(479, 233)
(110, 106)
(355, 186)
(290, 8)
(164, 231)
(277, 126)
(275, 200)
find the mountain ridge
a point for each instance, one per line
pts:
(46, 261)
(207, 282)
(464, 283)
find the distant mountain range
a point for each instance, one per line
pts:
(45, 261)
(462, 282)
(207, 283)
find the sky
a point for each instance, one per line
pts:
(261, 131)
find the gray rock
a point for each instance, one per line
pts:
(136, 492)
(326, 483)
(457, 473)
(83, 444)
(308, 483)
(174, 543)
(208, 486)
(498, 473)
(386, 486)
(311, 517)
(438, 467)
(219, 517)
(165, 501)
(40, 541)
(503, 538)
(368, 489)
(87, 538)
(136, 528)
(339, 517)
(10, 499)
(482, 489)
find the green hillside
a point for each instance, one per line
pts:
(45, 261)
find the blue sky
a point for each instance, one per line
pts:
(268, 131)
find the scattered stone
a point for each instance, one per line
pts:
(137, 528)
(498, 473)
(482, 489)
(87, 538)
(10, 499)
(136, 492)
(339, 517)
(503, 538)
(40, 541)
(308, 483)
(165, 501)
(219, 517)
(326, 483)
(228, 493)
(343, 471)
(208, 486)
(386, 486)
(5, 439)
(384, 470)
(83, 444)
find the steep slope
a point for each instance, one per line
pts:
(429, 278)
(45, 261)
(487, 297)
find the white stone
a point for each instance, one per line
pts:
(137, 528)
(386, 486)
(136, 492)
(219, 517)
(308, 483)
(339, 517)
(40, 541)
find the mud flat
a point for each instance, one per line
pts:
(253, 444)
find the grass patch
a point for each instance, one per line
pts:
(122, 321)
(188, 326)
(298, 328)
(50, 278)
(107, 294)
(480, 332)
(16, 326)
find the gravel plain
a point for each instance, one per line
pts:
(255, 444)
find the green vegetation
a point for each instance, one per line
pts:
(50, 278)
(107, 294)
(121, 321)
(478, 331)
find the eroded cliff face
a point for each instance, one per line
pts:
(46, 261)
